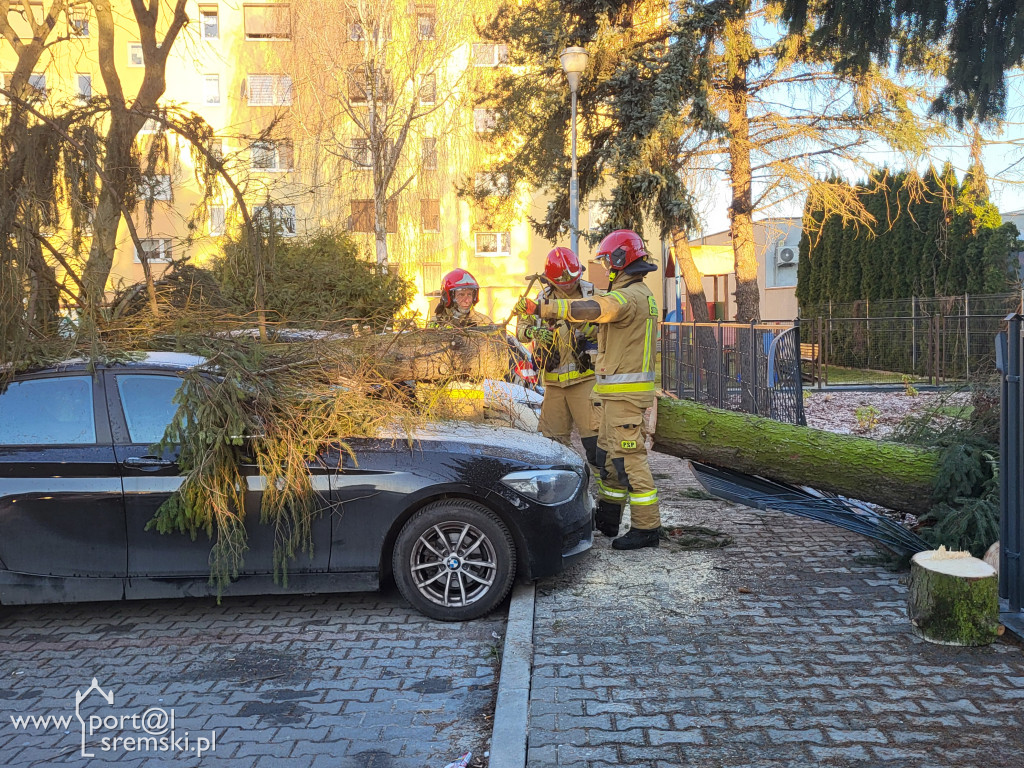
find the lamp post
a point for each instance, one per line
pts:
(574, 61)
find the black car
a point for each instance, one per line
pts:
(454, 516)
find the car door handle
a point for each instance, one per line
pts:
(147, 462)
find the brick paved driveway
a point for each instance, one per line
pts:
(347, 681)
(787, 648)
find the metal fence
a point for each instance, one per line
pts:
(1010, 355)
(937, 340)
(752, 367)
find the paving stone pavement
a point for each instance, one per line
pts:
(790, 647)
(346, 681)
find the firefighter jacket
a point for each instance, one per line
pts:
(442, 318)
(575, 344)
(627, 317)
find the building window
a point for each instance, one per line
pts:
(598, 212)
(484, 120)
(282, 217)
(491, 183)
(83, 87)
(135, 57)
(428, 88)
(430, 215)
(218, 220)
(428, 154)
(155, 248)
(211, 90)
(361, 159)
(37, 82)
(493, 244)
(267, 22)
(361, 89)
(490, 55)
(426, 23)
(431, 275)
(156, 187)
(209, 22)
(269, 90)
(363, 217)
(78, 21)
(217, 149)
(272, 155)
(152, 125)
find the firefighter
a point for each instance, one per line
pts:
(624, 388)
(459, 294)
(564, 351)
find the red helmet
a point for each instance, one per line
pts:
(622, 247)
(563, 268)
(457, 278)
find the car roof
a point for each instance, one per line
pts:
(179, 361)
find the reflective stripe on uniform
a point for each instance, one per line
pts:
(617, 296)
(610, 389)
(642, 499)
(624, 378)
(610, 494)
(562, 308)
(648, 338)
(567, 376)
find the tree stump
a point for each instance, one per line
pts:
(954, 598)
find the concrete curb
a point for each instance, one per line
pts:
(512, 712)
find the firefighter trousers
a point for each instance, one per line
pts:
(622, 456)
(565, 406)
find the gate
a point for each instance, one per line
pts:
(1009, 355)
(749, 367)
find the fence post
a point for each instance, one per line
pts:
(1009, 470)
(696, 361)
(913, 335)
(967, 337)
(753, 369)
(720, 369)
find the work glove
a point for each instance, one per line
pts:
(543, 335)
(526, 306)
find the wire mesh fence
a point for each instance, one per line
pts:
(753, 367)
(938, 340)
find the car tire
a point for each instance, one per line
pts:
(454, 560)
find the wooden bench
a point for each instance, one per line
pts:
(809, 354)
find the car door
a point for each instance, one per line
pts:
(141, 406)
(61, 511)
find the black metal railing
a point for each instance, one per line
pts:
(750, 367)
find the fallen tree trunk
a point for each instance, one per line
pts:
(891, 474)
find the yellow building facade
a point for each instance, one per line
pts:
(274, 81)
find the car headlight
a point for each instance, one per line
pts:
(548, 486)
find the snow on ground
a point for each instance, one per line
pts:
(849, 412)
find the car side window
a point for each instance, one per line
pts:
(148, 405)
(53, 411)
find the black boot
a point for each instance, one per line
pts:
(607, 518)
(638, 538)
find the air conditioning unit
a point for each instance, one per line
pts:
(786, 256)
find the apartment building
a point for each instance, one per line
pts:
(296, 93)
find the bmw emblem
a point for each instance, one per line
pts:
(453, 563)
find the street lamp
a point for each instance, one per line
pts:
(574, 61)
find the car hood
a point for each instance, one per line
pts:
(503, 442)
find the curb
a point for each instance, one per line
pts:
(512, 711)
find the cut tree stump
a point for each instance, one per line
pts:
(954, 598)
(893, 475)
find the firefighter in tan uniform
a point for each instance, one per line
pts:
(627, 317)
(564, 351)
(460, 293)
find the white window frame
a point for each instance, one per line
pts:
(218, 228)
(288, 216)
(271, 146)
(433, 94)
(204, 11)
(498, 57)
(134, 48)
(39, 78)
(280, 90)
(207, 80)
(424, 155)
(360, 152)
(420, 16)
(82, 97)
(163, 250)
(160, 185)
(78, 22)
(502, 238)
(152, 125)
(484, 119)
(431, 200)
